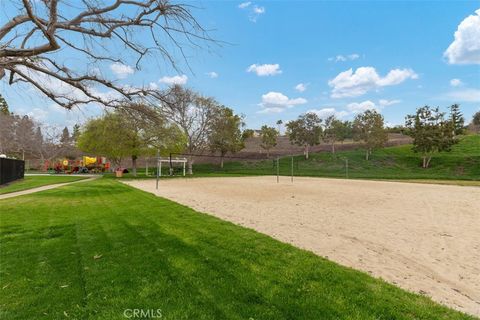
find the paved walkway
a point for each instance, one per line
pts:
(42, 188)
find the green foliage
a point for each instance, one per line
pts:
(430, 132)
(65, 137)
(76, 132)
(475, 124)
(368, 127)
(269, 138)
(130, 131)
(4, 106)
(102, 136)
(457, 119)
(247, 133)
(476, 118)
(226, 134)
(306, 131)
(336, 130)
(93, 249)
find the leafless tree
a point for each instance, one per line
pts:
(192, 113)
(35, 42)
(7, 129)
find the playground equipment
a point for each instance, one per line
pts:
(86, 165)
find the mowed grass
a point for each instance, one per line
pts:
(92, 250)
(400, 162)
(30, 182)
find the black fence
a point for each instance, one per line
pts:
(11, 170)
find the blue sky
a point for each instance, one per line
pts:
(284, 58)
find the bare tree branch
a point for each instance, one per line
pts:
(30, 42)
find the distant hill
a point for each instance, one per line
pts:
(397, 162)
(284, 147)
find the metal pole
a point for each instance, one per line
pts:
(158, 167)
(292, 169)
(278, 170)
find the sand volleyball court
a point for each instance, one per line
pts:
(422, 237)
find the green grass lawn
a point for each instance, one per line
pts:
(30, 182)
(92, 250)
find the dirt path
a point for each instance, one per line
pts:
(423, 238)
(42, 188)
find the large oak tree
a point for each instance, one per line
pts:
(38, 41)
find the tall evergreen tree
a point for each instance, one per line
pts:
(4, 106)
(457, 119)
(65, 137)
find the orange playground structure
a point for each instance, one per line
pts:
(85, 165)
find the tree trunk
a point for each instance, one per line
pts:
(367, 154)
(190, 165)
(134, 166)
(221, 162)
(428, 161)
(306, 152)
(333, 147)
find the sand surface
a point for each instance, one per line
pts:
(423, 238)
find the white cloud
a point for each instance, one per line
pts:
(244, 5)
(275, 102)
(265, 69)
(353, 84)
(359, 107)
(341, 58)
(121, 70)
(180, 80)
(456, 82)
(258, 10)
(465, 95)
(39, 114)
(212, 74)
(152, 86)
(326, 112)
(301, 87)
(271, 110)
(254, 11)
(465, 48)
(385, 102)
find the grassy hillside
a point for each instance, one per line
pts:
(399, 162)
(95, 249)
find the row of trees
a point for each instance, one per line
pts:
(178, 121)
(431, 130)
(23, 137)
(310, 130)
